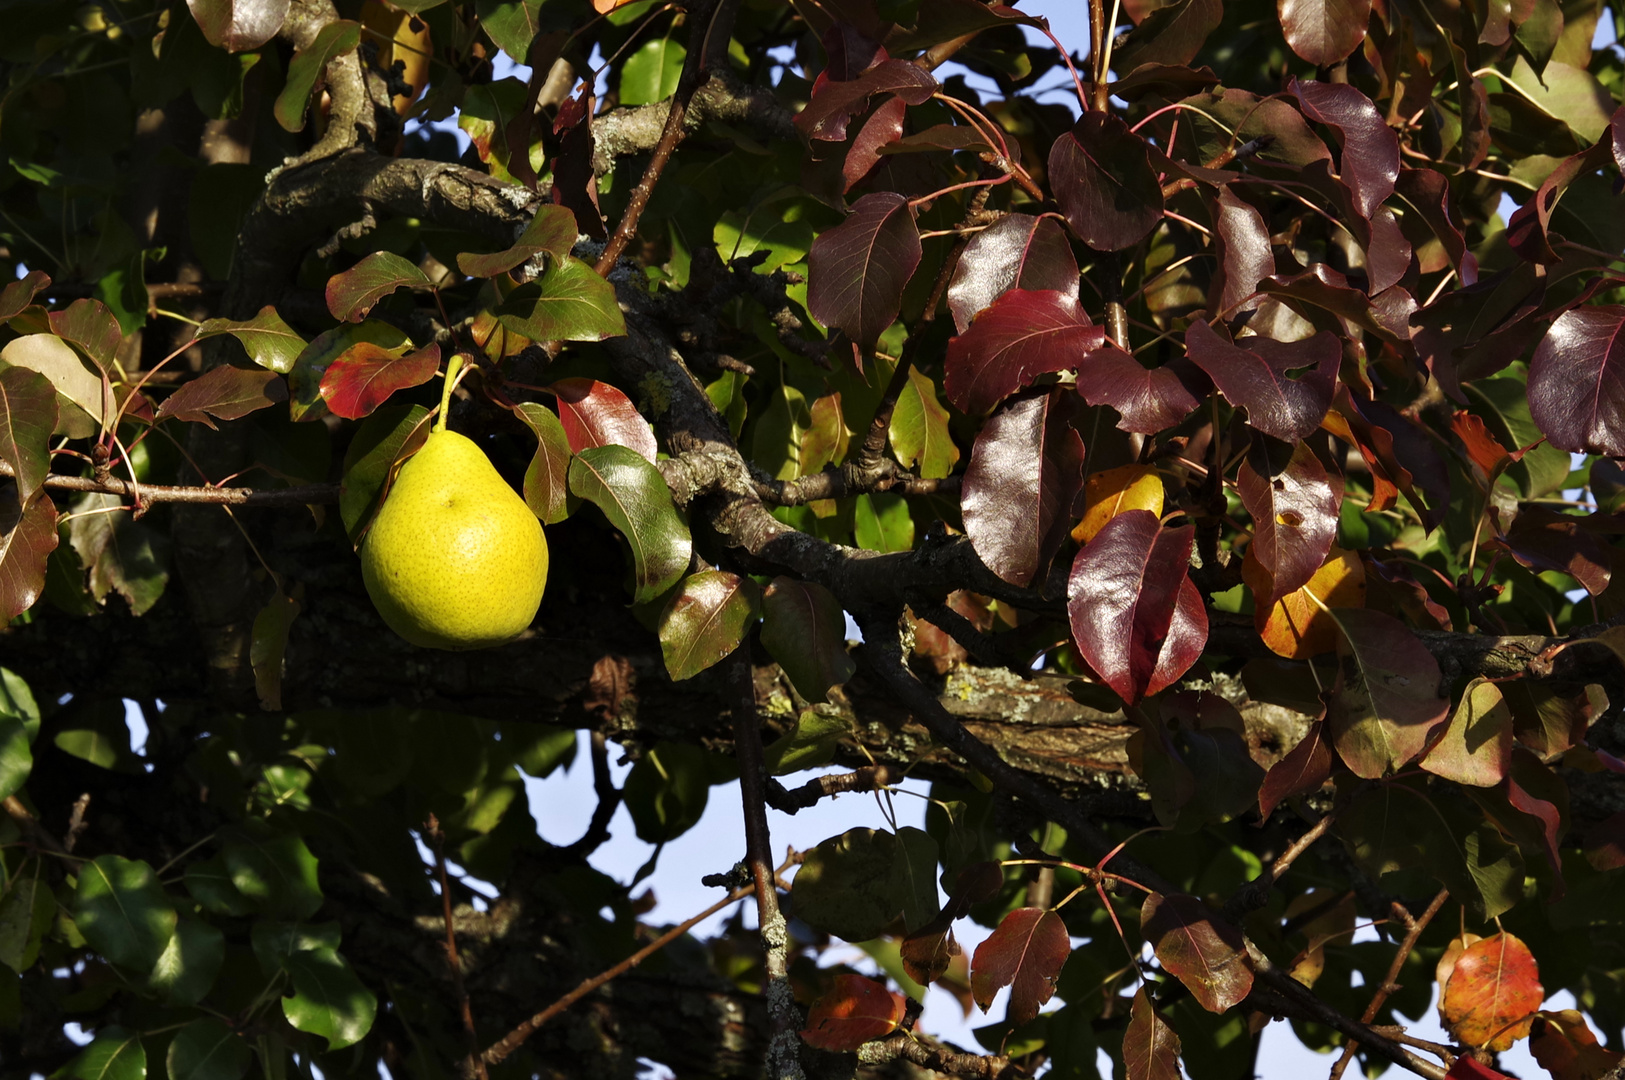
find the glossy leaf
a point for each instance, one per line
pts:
(328, 1000)
(856, 271)
(1149, 399)
(1387, 703)
(1115, 491)
(1577, 381)
(122, 911)
(27, 416)
(1295, 512)
(1199, 948)
(1104, 183)
(569, 302)
(1370, 159)
(1170, 34)
(1150, 1047)
(1024, 473)
(306, 402)
(852, 1012)
(115, 1054)
(1285, 388)
(597, 414)
(637, 502)
(1304, 769)
(1244, 241)
(391, 434)
(1324, 31)
(364, 376)
(919, 429)
(804, 630)
(1021, 336)
(1025, 952)
(835, 102)
(706, 620)
(352, 294)
(1493, 993)
(239, 25)
(651, 72)
(333, 40)
(552, 232)
(17, 295)
(224, 393)
(92, 327)
(1018, 251)
(207, 1049)
(1121, 600)
(547, 478)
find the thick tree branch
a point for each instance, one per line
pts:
(755, 109)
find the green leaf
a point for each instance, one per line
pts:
(883, 523)
(666, 791)
(388, 435)
(275, 942)
(26, 912)
(807, 745)
(207, 1049)
(569, 302)
(122, 911)
(551, 231)
(17, 701)
(209, 883)
(373, 754)
(115, 1054)
(82, 396)
(123, 555)
(804, 629)
(275, 869)
(187, 969)
(919, 429)
(632, 495)
(333, 40)
(328, 1000)
(706, 620)
(539, 748)
(547, 479)
(98, 732)
(512, 24)
(352, 293)
(266, 647)
(16, 760)
(856, 884)
(651, 73)
(268, 341)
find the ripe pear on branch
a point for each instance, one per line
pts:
(454, 559)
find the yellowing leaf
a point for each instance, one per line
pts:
(1296, 627)
(1109, 493)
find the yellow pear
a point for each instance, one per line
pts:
(454, 559)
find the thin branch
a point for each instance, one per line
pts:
(476, 1065)
(308, 495)
(868, 778)
(1389, 985)
(932, 1055)
(1256, 893)
(609, 798)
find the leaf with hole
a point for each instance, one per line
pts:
(1295, 506)
(1286, 388)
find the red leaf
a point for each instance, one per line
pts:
(1172, 34)
(1388, 256)
(854, 1011)
(1324, 31)
(1256, 375)
(365, 375)
(1104, 183)
(597, 414)
(1187, 637)
(1025, 470)
(1018, 251)
(351, 294)
(835, 102)
(1467, 1068)
(1206, 954)
(1295, 514)
(1025, 953)
(1483, 448)
(1493, 993)
(1243, 241)
(1304, 769)
(26, 541)
(1150, 1047)
(881, 129)
(856, 271)
(1022, 335)
(1565, 1046)
(1121, 600)
(1387, 703)
(1370, 159)
(1550, 818)
(1577, 381)
(225, 393)
(928, 951)
(1149, 399)
(27, 415)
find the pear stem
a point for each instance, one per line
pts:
(453, 369)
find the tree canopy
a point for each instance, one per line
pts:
(1224, 475)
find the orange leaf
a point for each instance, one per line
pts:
(1109, 493)
(1566, 1048)
(1296, 627)
(854, 1011)
(1493, 992)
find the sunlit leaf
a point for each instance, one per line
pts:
(333, 40)
(1476, 747)
(363, 377)
(352, 293)
(239, 25)
(1150, 1047)
(27, 417)
(123, 912)
(1104, 183)
(1370, 161)
(547, 478)
(1285, 388)
(224, 393)
(1199, 948)
(569, 302)
(1025, 952)
(853, 1011)
(706, 620)
(1018, 251)
(919, 429)
(1295, 508)
(1114, 491)
(1021, 336)
(856, 271)
(1492, 994)
(637, 502)
(597, 414)
(1577, 381)
(1387, 703)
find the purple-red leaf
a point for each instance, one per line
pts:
(1207, 954)
(1187, 637)
(239, 25)
(1295, 513)
(1577, 381)
(1018, 251)
(27, 416)
(88, 324)
(1301, 771)
(553, 231)
(1388, 255)
(834, 102)
(1020, 336)
(1245, 253)
(351, 294)
(1387, 701)
(1150, 1047)
(884, 127)
(1370, 160)
(1324, 31)
(1025, 953)
(1104, 183)
(1542, 539)
(365, 375)
(1172, 34)
(597, 414)
(1269, 379)
(856, 271)
(26, 541)
(225, 393)
(1125, 587)
(1149, 399)
(1024, 472)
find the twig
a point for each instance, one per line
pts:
(931, 1055)
(785, 1020)
(476, 1065)
(1255, 894)
(76, 822)
(1413, 931)
(308, 495)
(609, 798)
(868, 778)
